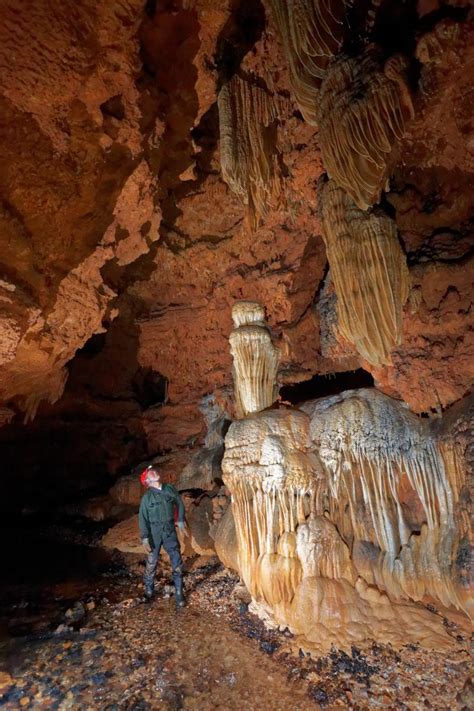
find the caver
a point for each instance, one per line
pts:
(157, 528)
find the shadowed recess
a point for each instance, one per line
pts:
(323, 385)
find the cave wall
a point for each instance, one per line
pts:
(123, 250)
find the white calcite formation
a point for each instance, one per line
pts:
(345, 518)
(369, 272)
(255, 359)
(311, 34)
(364, 106)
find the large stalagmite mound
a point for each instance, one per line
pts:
(347, 515)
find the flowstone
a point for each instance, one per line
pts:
(345, 520)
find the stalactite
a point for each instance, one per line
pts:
(266, 523)
(249, 157)
(369, 272)
(312, 32)
(362, 113)
(255, 359)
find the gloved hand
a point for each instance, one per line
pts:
(181, 525)
(146, 545)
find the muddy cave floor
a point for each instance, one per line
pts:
(114, 651)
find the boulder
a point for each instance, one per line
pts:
(200, 519)
(127, 490)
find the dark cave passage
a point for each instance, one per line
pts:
(324, 385)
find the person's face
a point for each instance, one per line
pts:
(152, 477)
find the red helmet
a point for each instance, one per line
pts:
(144, 474)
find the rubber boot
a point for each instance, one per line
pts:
(179, 594)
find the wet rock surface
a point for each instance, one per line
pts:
(50, 573)
(124, 653)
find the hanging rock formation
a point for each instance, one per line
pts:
(360, 103)
(249, 157)
(312, 33)
(369, 272)
(255, 359)
(344, 512)
(363, 110)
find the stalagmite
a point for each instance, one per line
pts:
(249, 157)
(312, 33)
(322, 551)
(270, 477)
(255, 358)
(363, 110)
(344, 515)
(369, 272)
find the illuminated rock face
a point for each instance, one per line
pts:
(255, 359)
(369, 272)
(344, 514)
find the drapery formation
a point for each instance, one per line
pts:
(249, 156)
(312, 32)
(392, 489)
(360, 102)
(363, 110)
(369, 272)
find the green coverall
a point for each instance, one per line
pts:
(156, 521)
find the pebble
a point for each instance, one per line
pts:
(61, 629)
(213, 655)
(6, 680)
(76, 613)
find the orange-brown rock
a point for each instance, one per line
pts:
(435, 365)
(76, 193)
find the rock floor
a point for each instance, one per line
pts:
(127, 654)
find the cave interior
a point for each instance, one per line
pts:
(236, 244)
